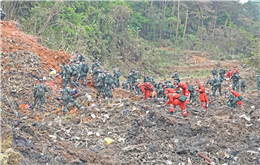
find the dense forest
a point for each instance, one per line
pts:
(131, 31)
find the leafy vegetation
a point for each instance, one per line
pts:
(130, 33)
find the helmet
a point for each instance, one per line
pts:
(197, 81)
(58, 64)
(230, 89)
(106, 69)
(41, 80)
(68, 85)
(77, 51)
(113, 66)
(83, 59)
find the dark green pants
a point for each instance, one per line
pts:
(235, 85)
(42, 99)
(83, 80)
(243, 89)
(65, 82)
(65, 103)
(215, 89)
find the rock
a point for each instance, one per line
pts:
(154, 147)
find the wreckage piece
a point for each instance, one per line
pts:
(206, 158)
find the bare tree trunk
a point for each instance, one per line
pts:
(172, 14)
(163, 16)
(228, 18)
(185, 23)
(215, 18)
(151, 8)
(177, 28)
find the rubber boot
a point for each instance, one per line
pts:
(171, 113)
(104, 97)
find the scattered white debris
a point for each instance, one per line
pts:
(245, 117)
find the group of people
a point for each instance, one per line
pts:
(2, 13)
(177, 93)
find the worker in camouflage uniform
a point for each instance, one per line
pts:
(83, 72)
(214, 72)
(243, 85)
(222, 73)
(39, 94)
(116, 76)
(124, 85)
(217, 85)
(235, 78)
(211, 83)
(135, 77)
(166, 81)
(79, 57)
(244, 66)
(258, 81)
(145, 78)
(100, 84)
(176, 77)
(130, 80)
(2, 13)
(138, 90)
(159, 90)
(95, 72)
(232, 101)
(96, 64)
(192, 92)
(75, 72)
(66, 74)
(108, 84)
(66, 98)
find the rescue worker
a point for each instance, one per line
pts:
(185, 90)
(211, 83)
(130, 80)
(95, 72)
(146, 88)
(159, 90)
(176, 77)
(244, 66)
(217, 85)
(192, 92)
(145, 78)
(83, 73)
(229, 74)
(79, 57)
(243, 85)
(124, 85)
(66, 74)
(175, 86)
(235, 77)
(66, 98)
(222, 73)
(108, 84)
(234, 69)
(235, 99)
(258, 81)
(116, 76)
(214, 72)
(203, 97)
(137, 89)
(100, 84)
(96, 64)
(135, 77)
(39, 94)
(176, 99)
(75, 72)
(2, 13)
(166, 81)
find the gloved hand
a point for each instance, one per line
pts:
(207, 105)
(63, 77)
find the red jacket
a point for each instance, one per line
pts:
(170, 90)
(228, 74)
(146, 86)
(172, 97)
(235, 93)
(201, 88)
(184, 86)
(234, 69)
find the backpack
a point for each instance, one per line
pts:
(40, 91)
(68, 69)
(84, 68)
(182, 98)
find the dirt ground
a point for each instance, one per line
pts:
(125, 130)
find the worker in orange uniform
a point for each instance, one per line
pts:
(229, 73)
(185, 90)
(235, 69)
(235, 98)
(146, 88)
(176, 99)
(203, 97)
